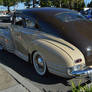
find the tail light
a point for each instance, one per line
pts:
(78, 61)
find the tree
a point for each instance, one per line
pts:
(1, 2)
(71, 4)
(57, 3)
(8, 3)
(46, 3)
(28, 4)
(90, 4)
(78, 5)
(34, 2)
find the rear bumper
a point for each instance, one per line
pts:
(85, 72)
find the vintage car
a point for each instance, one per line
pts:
(5, 17)
(54, 40)
(87, 12)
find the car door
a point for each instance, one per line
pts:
(17, 28)
(29, 33)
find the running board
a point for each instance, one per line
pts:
(22, 56)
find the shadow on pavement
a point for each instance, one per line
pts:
(26, 70)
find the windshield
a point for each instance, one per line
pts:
(67, 17)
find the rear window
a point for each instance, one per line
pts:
(67, 17)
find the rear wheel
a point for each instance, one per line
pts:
(39, 64)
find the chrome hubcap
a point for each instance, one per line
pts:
(39, 64)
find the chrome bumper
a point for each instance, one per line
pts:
(86, 72)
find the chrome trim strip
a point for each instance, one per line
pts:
(60, 48)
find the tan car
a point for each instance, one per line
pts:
(35, 37)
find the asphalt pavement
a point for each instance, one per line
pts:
(50, 83)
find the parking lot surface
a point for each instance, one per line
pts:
(48, 83)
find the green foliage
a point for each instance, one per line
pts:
(71, 4)
(1, 2)
(74, 88)
(80, 88)
(8, 3)
(27, 3)
(47, 3)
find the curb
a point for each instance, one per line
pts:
(24, 82)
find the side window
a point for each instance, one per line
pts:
(19, 21)
(49, 28)
(30, 23)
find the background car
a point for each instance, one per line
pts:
(87, 12)
(5, 17)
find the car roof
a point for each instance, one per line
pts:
(48, 11)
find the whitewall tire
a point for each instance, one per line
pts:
(39, 64)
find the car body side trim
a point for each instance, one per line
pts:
(64, 44)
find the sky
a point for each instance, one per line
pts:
(87, 1)
(21, 6)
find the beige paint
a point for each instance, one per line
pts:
(56, 55)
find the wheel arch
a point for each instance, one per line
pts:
(30, 56)
(48, 50)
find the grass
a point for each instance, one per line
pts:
(86, 88)
(79, 88)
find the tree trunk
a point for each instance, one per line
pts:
(34, 2)
(28, 4)
(60, 4)
(8, 9)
